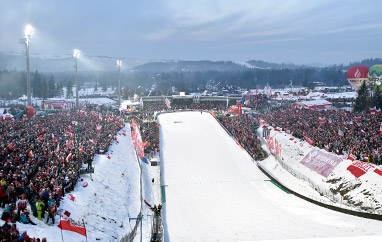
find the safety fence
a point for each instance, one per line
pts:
(131, 235)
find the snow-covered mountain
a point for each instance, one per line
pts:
(61, 63)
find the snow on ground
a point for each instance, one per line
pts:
(366, 189)
(106, 203)
(341, 95)
(215, 192)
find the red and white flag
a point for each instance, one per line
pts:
(91, 141)
(167, 102)
(321, 120)
(58, 147)
(62, 211)
(53, 138)
(380, 129)
(81, 150)
(373, 111)
(340, 133)
(352, 157)
(99, 128)
(67, 223)
(378, 171)
(30, 153)
(68, 157)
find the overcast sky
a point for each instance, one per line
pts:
(313, 31)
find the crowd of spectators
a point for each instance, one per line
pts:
(9, 233)
(41, 157)
(342, 132)
(243, 128)
(257, 101)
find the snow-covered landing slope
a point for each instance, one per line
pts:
(215, 192)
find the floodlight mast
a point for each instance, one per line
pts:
(76, 55)
(119, 64)
(29, 29)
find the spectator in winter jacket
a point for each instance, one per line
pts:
(51, 212)
(21, 204)
(33, 206)
(3, 196)
(40, 209)
(25, 219)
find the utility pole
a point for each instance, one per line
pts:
(29, 29)
(119, 64)
(76, 55)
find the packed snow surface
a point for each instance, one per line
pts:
(215, 192)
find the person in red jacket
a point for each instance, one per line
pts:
(21, 204)
(3, 196)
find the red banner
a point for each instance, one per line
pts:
(71, 225)
(137, 139)
(359, 168)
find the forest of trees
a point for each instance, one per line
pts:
(13, 84)
(46, 85)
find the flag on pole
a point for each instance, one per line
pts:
(62, 211)
(340, 133)
(91, 141)
(373, 111)
(58, 147)
(99, 128)
(53, 138)
(167, 102)
(141, 103)
(68, 157)
(81, 150)
(30, 153)
(67, 223)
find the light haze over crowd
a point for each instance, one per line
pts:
(301, 32)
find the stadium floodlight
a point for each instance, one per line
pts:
(29, 29)
(119, 64)
(76, 55)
